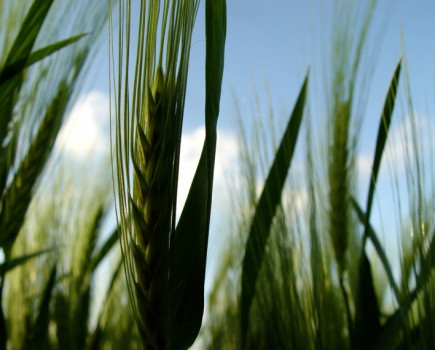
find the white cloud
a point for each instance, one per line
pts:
(191, 146)
(86, 129)
(364, 164)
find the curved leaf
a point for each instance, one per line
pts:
(384, 126)
(105, 248)
(367, 313)
(367, 310)
(20, 52)
(39, 334)
(11, 264)
(378, 247)
(394, 323)
(189, 244)
(14, 69)
(266, 208)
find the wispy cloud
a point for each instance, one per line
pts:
(86, 131)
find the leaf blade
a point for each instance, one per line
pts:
(20, 52)
(384, 126)
(367, 313)
(104, 250)
(187, 269)
(13, 263)
(39, 333)
(266, 208)
(14, 69)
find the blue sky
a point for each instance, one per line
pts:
(276, 41)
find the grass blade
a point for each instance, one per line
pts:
(106, 247)
(189, 246)
(39, 334)
(367, 313)
(29, 30)
(266, 208)
(20, 52)
(378, 248)
(384, 126)
(392, 326)
(11, 264)
(14, 69)
(367, 323)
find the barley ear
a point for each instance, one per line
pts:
(165, 262)
(151, 213)
(339, 184)
(18, 194)
(147, 142)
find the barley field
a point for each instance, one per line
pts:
(155, 197)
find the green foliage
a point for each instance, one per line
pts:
(23, 109)
(315, 273)
(16, 61)
(79, 256)
(17, 196)
(367, 313)
(299, 297)
(39, 334)
(165, 261)
(383, 129)
(11, 264)
(266, 208)
(186, 283)
(18, 66)
(35, 93)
